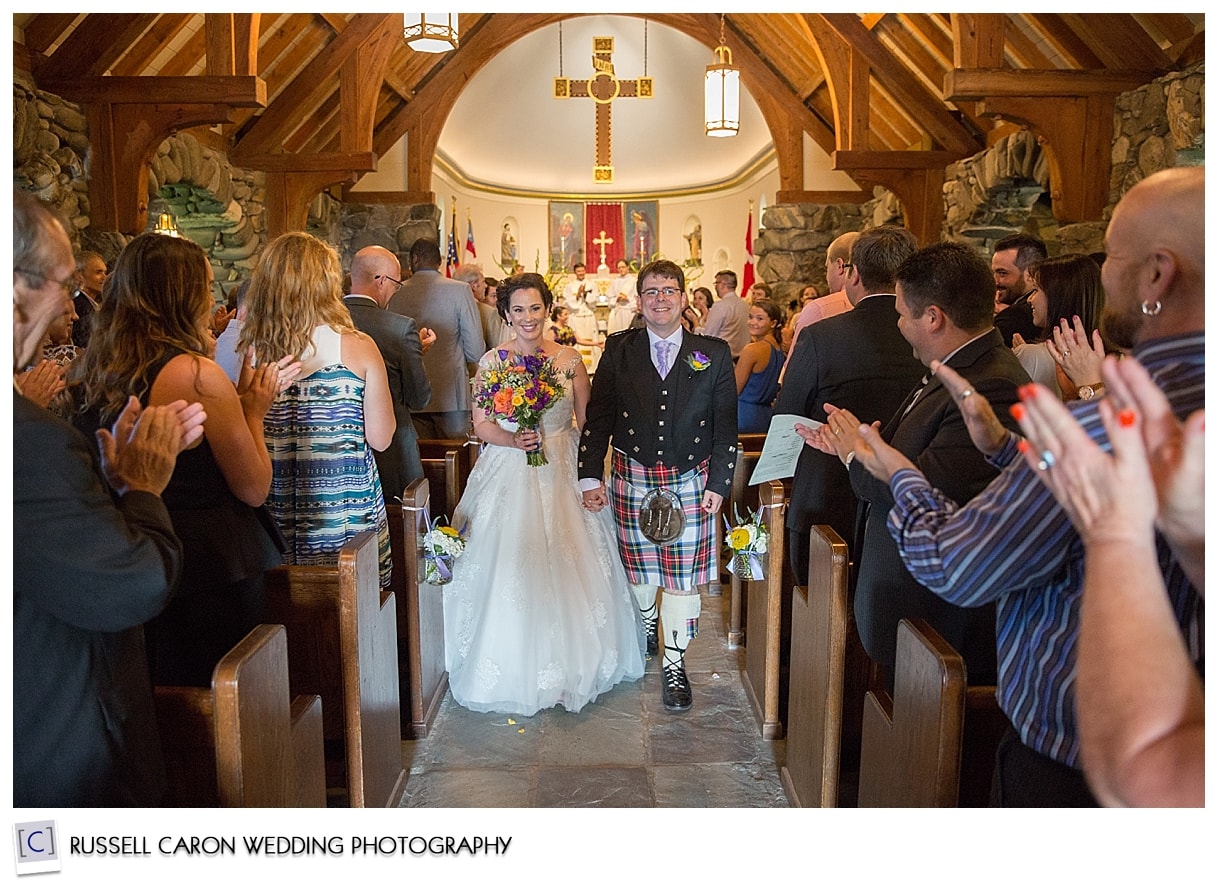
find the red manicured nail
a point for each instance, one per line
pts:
(1017, 411)
(1027, 391)
(1023, 446)
(1127, 418)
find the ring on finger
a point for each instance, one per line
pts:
(967, 392)
(1047, 460)
(1065, 353)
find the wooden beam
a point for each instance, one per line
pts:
(289, 194)
(97, 43)
(926, 105)
(975, 85)
(235, 91)
(45, 28)
(823, 197)
(978, 40)
(232, 43)
(915, 176)
(1061, 37)
(1120, 42)
(389, 197)
(360, 85)
(319, 163)
(136, 59)
(278, 119)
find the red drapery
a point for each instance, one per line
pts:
(603, 217)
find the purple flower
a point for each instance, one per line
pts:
(698, 361)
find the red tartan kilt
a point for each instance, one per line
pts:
(686, 563)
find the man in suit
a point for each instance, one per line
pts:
(945, 303)
(666, 402)
(94, 557)
(857, 360)
(90, 277)
(448, 308)
(374, 274)
(1013, 286)
(728, 318)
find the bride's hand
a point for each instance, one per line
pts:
(526, 440)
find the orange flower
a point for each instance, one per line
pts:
(503, 401)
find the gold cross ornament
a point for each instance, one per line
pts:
(602, 87)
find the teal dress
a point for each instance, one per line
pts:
(753, 404)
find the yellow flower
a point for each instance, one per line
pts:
(738, 539)
(449, 531)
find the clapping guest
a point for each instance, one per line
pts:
(561, 332)
(1141, 703)
(153, 341)
(1064, 288)
(325, 487)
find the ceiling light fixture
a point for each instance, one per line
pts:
(722, 91)
(166, 225)
(430, 31)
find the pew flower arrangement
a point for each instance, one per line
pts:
(441, 545)
(747, 541)
(516, 390)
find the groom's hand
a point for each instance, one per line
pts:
(595, 500)
(711, 502)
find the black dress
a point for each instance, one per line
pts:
(227, 546)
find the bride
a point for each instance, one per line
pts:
(539, 612)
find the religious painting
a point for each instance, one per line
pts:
(566, 235)
(642, 231)
(509, 247)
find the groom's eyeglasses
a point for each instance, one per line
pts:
(655, 293)
(397, 283)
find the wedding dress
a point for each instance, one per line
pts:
(538, 612)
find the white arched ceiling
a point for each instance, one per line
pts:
(506, 130)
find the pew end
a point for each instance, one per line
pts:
(819, 624)
(242, 742)
(764, 683)
(342, 632)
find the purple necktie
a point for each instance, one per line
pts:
(662, 347)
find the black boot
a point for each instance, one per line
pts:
(651, 630)
(677, 694)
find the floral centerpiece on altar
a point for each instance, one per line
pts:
(441, 545)
(747, 541)
(517, 390)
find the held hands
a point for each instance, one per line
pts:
(595, 500)
(140, 452)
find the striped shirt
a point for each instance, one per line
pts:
(1013, 543)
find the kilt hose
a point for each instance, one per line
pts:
(686, 563)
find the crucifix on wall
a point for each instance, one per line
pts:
(603, 87)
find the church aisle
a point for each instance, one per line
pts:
(624, 750)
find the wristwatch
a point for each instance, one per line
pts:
(1086, 393)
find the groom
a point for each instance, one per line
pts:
(666, 401)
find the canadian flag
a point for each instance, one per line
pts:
(748, 276)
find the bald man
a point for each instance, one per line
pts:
(375, 272)
(1014, 544)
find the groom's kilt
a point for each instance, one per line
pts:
(686, 563)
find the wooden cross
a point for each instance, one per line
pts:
(602, 241)
(602, 87)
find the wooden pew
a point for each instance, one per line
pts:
(742, 496)
(912, 740)
(763, 651)
(819, 624)
(447, 463)
(422, 678)
(342, 644)
(244, 743)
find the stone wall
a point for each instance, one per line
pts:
(1003, 189)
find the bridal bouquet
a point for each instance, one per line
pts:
(440, 546)
(517, 390)
(747, 541)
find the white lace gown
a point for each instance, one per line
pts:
(539, 612)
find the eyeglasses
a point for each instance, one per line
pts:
(68, 285)
(396, 282)
(655, 293)
(847, 267)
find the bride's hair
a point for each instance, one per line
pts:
(522, 282)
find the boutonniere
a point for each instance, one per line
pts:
(698, 361)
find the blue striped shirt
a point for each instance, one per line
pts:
(1014, 544)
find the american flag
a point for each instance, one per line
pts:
(452, 250)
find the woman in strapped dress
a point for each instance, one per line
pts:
(538, 612)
